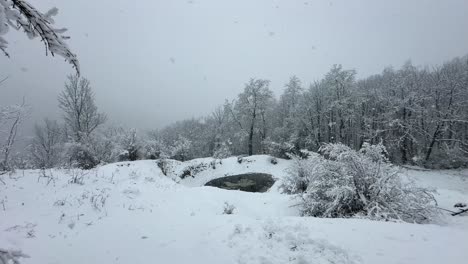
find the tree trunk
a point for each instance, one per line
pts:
(431, 145)
(251, 139)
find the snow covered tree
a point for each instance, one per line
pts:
(130, 145)
(218, 128)
(251, 108)
(289, 100)
(20, 15)
(80, 111)
(82, 119)
(47, 144)
(338, 83)
(181, 149)
(288, 131)
(11, 118)
(154, 147)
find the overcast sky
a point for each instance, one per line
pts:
(152, 62)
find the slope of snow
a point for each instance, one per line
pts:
(130, 212)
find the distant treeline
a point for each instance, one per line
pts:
(419, 114)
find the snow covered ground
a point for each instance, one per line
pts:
(130, 212)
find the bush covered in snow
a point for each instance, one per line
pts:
(163, 165)
(273, 160)
(228, 208)
(280, 150)
(194, 169)
(343, 183)
(80, 156)
(222, 152)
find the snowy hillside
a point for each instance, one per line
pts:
(130, 212)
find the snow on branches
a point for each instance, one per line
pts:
(11, 256)
(19, 14)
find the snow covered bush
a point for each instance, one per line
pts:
(240, 158)
(98, 200)
(228, 208)
(103, 148)
(273, 160)
(77, 176)
(194, 169)
(345, 183)
(300, 173)
(163, 164)
(180, 150)
(155, 149)
(130, 145)
(280, 150)
(222, 152)
(80, 156)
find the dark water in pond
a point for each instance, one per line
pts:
(249, 182)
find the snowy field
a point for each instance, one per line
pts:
(131, 213)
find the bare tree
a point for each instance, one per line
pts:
(21, 15)
(45, 147)
(11, 118)
(80, 111)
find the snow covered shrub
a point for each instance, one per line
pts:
(300, 173)
(240, 158)
(155, 149)
(194, 169)
(163, 164)
(273, 160)
(49, 177)
(77, 176)
(180, 150)
(345, 183)
(280, 150)
(98, 200)
(222, 152)
(21, 161)
(213, 163)
(186, 173)
(130, 145)
(228, 208)
(81, 156)
(102, 148)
